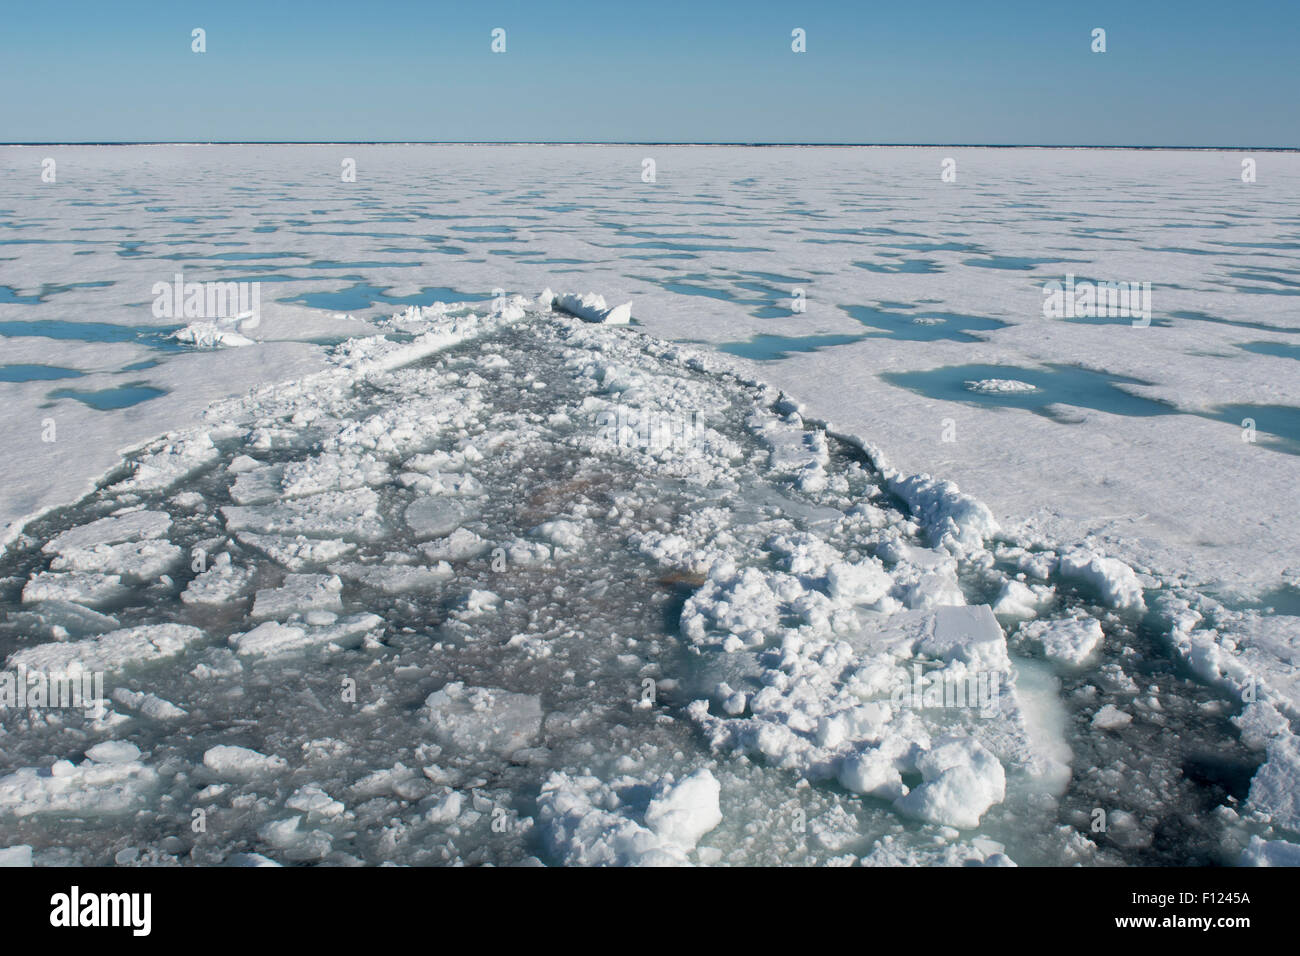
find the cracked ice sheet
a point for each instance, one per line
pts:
(805, 606)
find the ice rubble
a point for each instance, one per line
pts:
(16, 856)
(816, 623)
(221, 333)
(111, 530)
(230, 762)
(483, 718)
(1116, 582)
(589, 823)
(1070, 641)
(273, 639)
(589, 307)
(1262, 852)
(111, 780)
(996, 385)
(111, 652)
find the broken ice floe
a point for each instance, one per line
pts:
(590, 823)
(219, 333)
(429, 606)
(1000, 385)
(589, 307)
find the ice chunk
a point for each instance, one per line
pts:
(315, 802)
(257, 485)
(561, 533)
(436, 517)
(299, 594)
(398, 780)
(343, 514)
(1071, 641)
(396, 578)
(133, 526)
(446, 809)
(177, 456)
(460, 545)
(953, 519)
(1260, 722)
(272, 639)
(893, 851)
(110, 652)
(683, 812)
(218, 334)
(16, 856)
(969, 634)
(873, 771)
(298, 552)
(332, 472)
(114, 751)
(59, 619)
(961, 781)
(74, 587)
(221, 583)
(1111, 717)
(591, 308)
(1018, 600)
(1263, 852)
(863, 583)
(1113, 580)
(527, 554)
(88, 788)
(991, 386)
(439, 484)
(589, 823)
(477, 719)
(932, 587)
(140, 561)
(240, 763)
(477, 604)
(1275, 789)
(149, 705)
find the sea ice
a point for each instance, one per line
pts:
(1070, 641)
(483, 718)
(299, 594)
(111, 652)
(241, 763)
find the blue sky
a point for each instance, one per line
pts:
(927, 71)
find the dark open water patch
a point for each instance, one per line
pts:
(923, 326)
(1011, 263)
(153, 336)
(10, 295)
(111, 399)
(1206, 317)
(363, 296)
(1053, 385)
(769, 348)
(35, 373)
(1280, 422)
(902, 266)
(1099, 391)
(1278, 349)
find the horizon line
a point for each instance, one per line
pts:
(744, 144)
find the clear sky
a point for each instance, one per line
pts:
(1191, 72)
